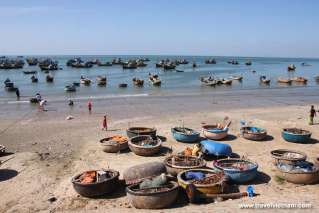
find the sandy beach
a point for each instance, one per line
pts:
(48, 150)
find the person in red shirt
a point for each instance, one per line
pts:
(104, 123)
(89, 106)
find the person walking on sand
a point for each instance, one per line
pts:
(104, 123)
(18, 93)
(89, 106)
(312, 115)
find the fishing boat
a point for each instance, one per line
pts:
(253, 133)
(237, 170)
(291, 67)
(210, 81)
(70, 88)
(101, 80)
(296, 135)
(186, 135)
(85, 81)
(284, 80)
(263, 79)
(49, 78)
(154, 79)
(237, 77)
(287, 156)
(153, 198)
(210, 61)
(122, 85)
(30, 72)
(95, 183)
(138, 82)
(215, 131)
(32, 61)
(34, 79)
(305, 64)
(137, 130)
(169, 66)
(179, 70)
(77, 84)
(145, 145)
(129, 65)
(248, 63)
(106, 64)
(178, 163)
(302, 172)
(227, 81)
(299, 80)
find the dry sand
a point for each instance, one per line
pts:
(48, 150)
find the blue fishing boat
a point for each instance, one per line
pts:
(217, 149)
(237, 170)
(296, 135)
(186, 135)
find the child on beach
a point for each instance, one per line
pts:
(104, 123)
(89, 104)
(312, 115)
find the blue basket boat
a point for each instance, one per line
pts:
(185, 135)
(237, 170)
(296, 135)
(217, 149)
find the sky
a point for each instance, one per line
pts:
(283, 28)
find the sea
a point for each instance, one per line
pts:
(173, 83)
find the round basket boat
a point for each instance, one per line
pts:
(136, 131)
(158, 198)
(299, 177)
(111, 146)
(253, 133)
(287, 156)
(210, 188)
(137, 173)
(98, 188)
(185, 135)
(296, 135)
(213, 133)
(182, 163)
(237, 170)
(147, 149)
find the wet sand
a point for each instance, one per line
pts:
(48, 150)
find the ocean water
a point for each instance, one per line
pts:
(186, 82)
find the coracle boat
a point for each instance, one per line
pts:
(96, 182)
(49, 78)
(237, 170)
(207, 181)
(154, 79)
(85, 81)
(153, 198)
(287, 156)
(291, 67)
(253, 133)
(144, 145)
(34, 79)
(302, 172)
(170, 66)
(284, 81)
(101, 80)
(210, 61)
(114, 144)
(177, 163)
(212, 148)
(137, 173)
(186, 135)
(138, 82)
(300, 80)
(122, 85)
(248, 63)
(136, 131)
(129, 65)
(215, 132)
(296, 135)
(263, 79)
(30, 72)
(70, 88)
